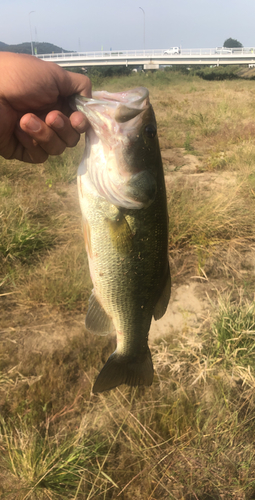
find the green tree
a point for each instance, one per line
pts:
(231, 42)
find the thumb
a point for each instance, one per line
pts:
(73, 83)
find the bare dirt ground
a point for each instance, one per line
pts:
(191, 299)
(189, 305)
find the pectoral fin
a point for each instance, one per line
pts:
(121, 234)
(97, 321)
(161, 306)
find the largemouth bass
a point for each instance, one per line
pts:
(123, 202)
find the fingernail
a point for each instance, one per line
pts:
(33, 124)
(58, 123)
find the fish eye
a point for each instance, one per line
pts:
(150, 131)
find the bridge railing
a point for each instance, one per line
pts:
(102, 54)
(120, 54)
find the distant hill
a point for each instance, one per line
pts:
(25, 48)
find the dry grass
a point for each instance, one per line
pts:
(191, 435)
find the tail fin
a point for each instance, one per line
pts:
(121, 370)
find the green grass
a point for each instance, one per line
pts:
(22, 235)
(199, 216)
(55, 467)
(40, 243)
(23, 239)
(63, 169)
(234, 328)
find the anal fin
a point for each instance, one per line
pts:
(97, 321)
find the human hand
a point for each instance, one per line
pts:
(35, 117)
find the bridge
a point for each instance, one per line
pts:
(152, 59)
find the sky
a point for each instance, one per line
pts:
(94, 25)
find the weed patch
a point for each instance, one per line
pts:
(50, 467)
(203, 218)
(234, 328)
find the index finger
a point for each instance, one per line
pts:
(77, 120)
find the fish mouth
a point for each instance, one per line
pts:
(133, 97)
(116, 120)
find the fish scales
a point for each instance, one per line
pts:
(127, 247)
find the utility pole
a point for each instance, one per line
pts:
(143, 27)
(32, 48)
